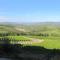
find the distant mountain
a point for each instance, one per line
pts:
(33, 23)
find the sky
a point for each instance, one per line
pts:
(29, 10)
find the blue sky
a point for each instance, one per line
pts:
(29, 10)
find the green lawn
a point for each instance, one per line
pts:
(49, 42)
(46, 38)
(22, 38)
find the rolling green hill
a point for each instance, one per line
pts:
(32, 28)
(49, 32)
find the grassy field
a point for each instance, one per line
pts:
(49, 42)
(49, 32)
(21, 38)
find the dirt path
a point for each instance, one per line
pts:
(37, 40)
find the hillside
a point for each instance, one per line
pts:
(50, 28)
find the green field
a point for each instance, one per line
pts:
(49, 32)
(49, 42)
(21, 38)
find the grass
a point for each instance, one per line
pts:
(21, 38)
(49, 42)
(46, 38)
